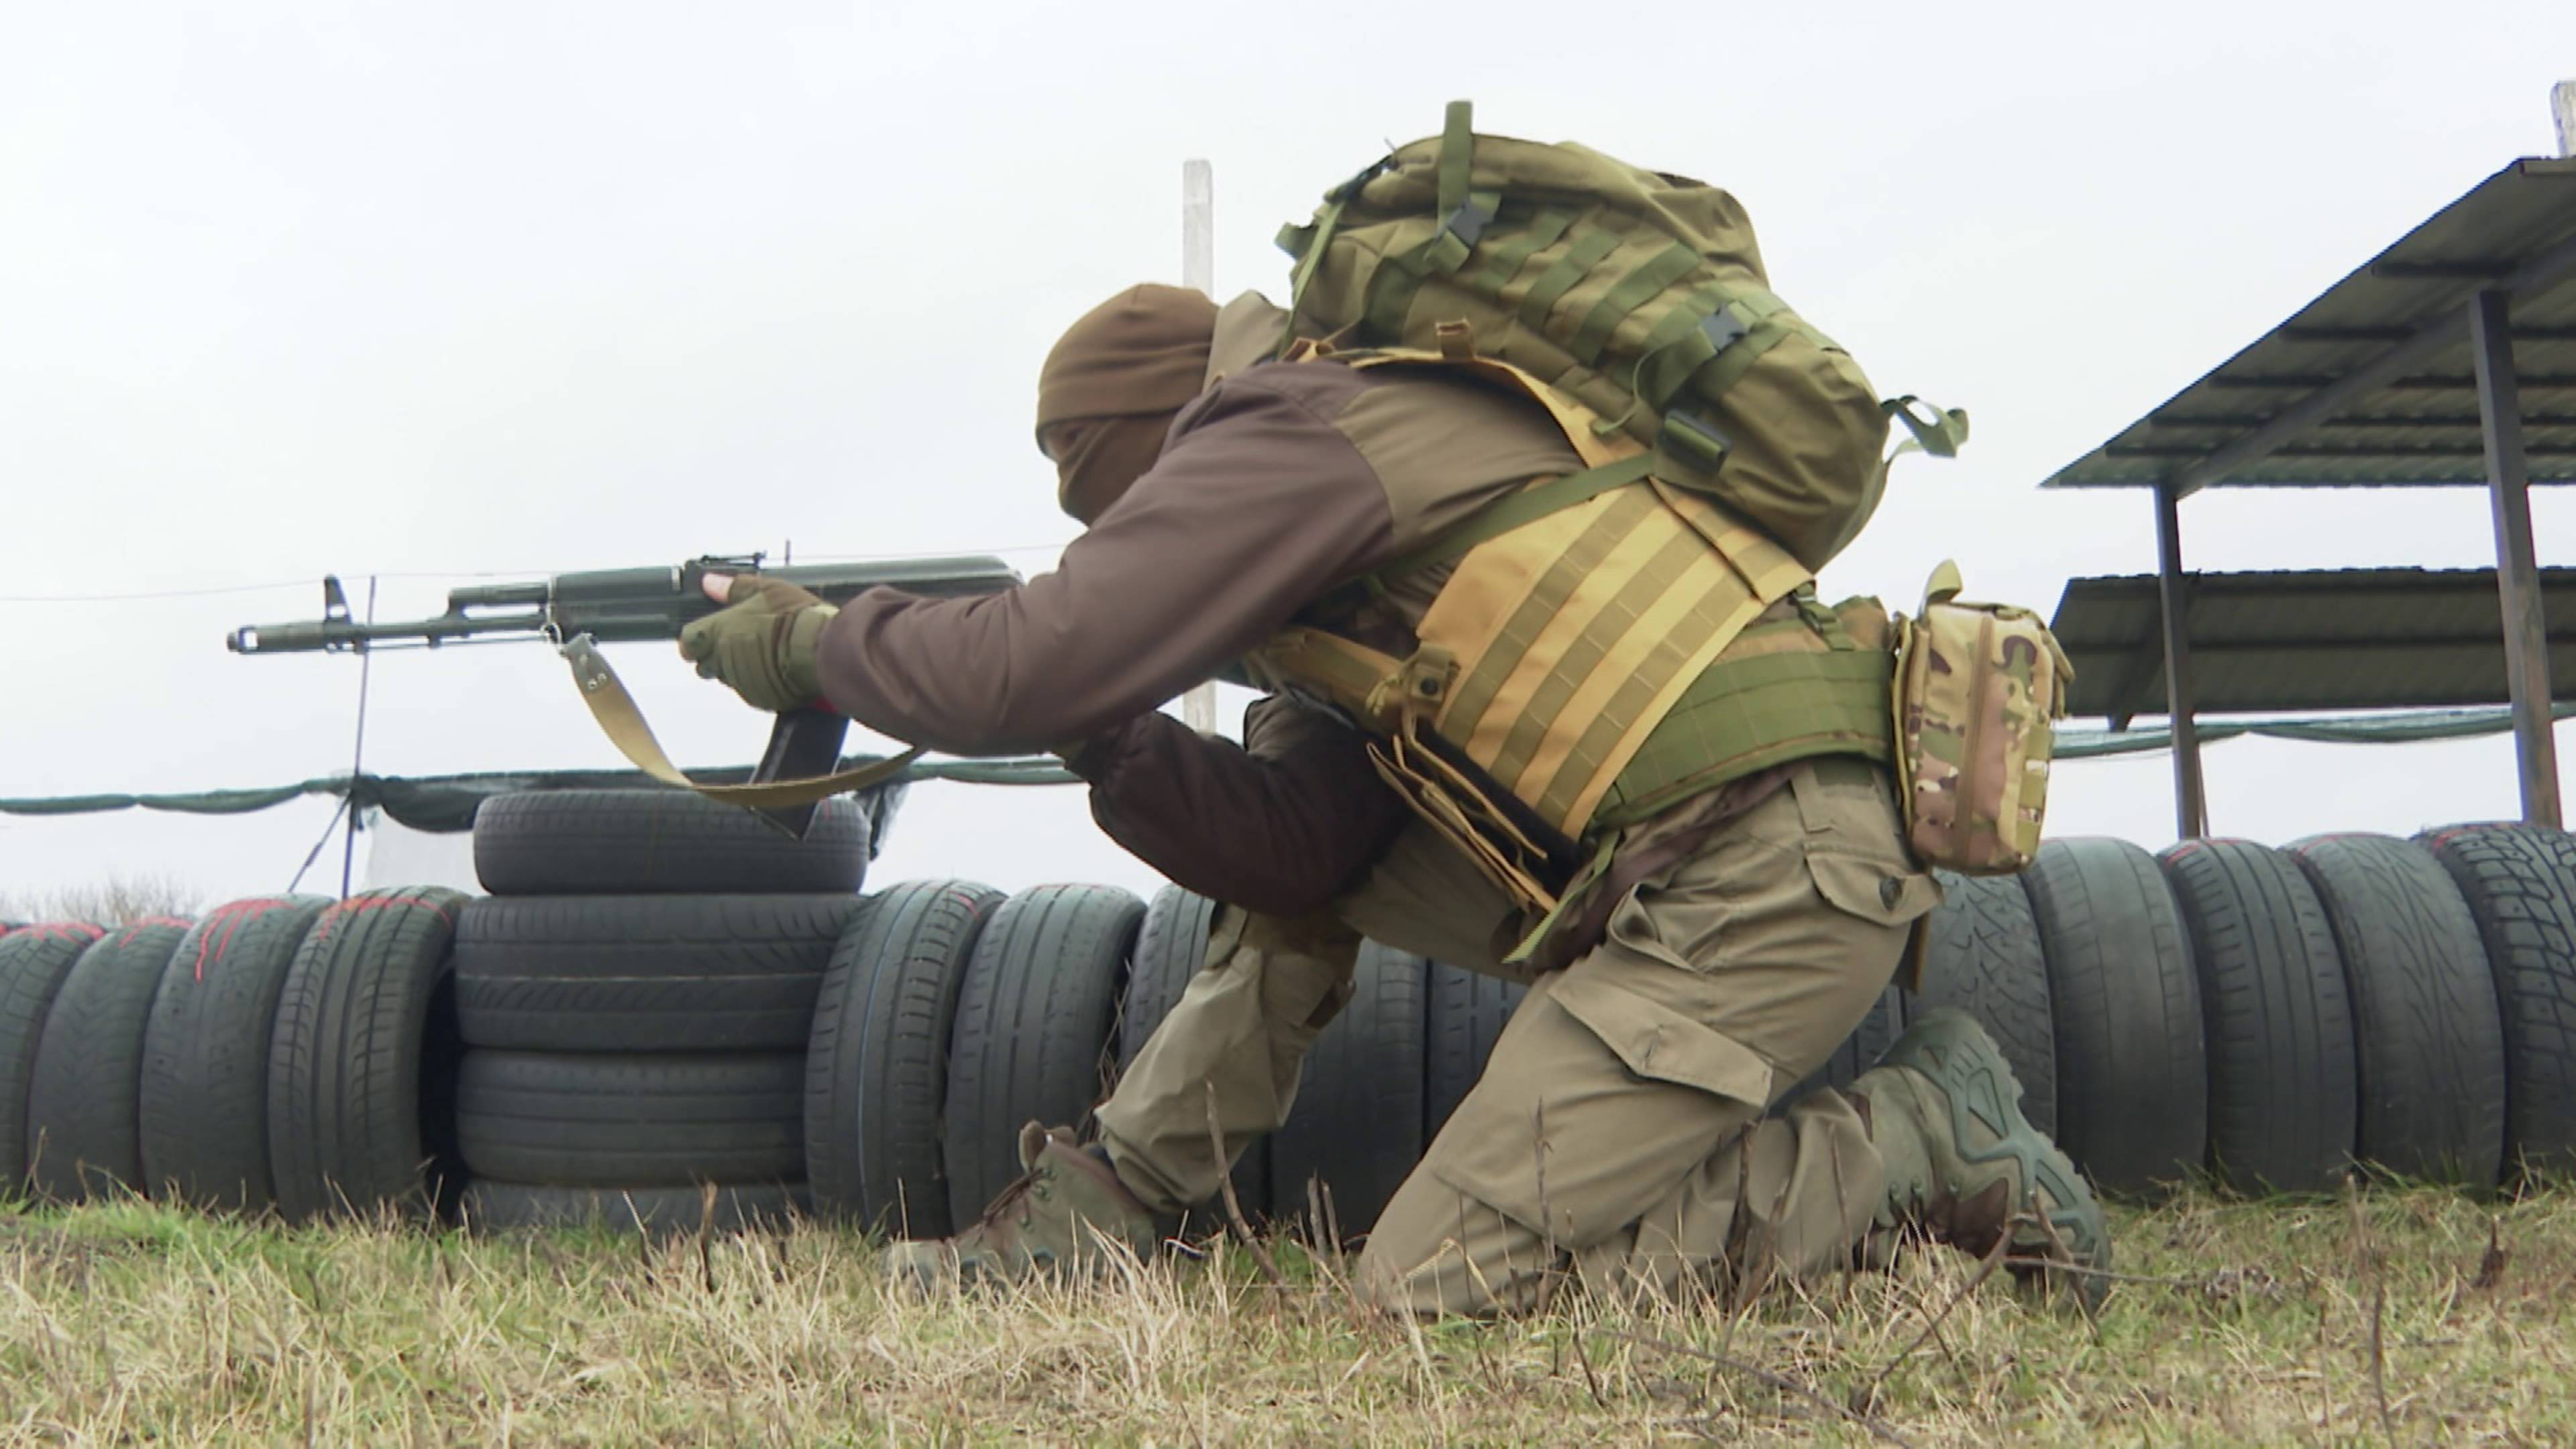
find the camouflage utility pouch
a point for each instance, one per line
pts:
(1978, 689)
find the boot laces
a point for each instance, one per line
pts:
(1017, 1201)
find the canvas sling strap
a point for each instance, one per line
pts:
(1578, 612)
(623, 722)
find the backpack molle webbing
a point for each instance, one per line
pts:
(1639, 294)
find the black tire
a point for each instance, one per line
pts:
(1356, 1126)
(362, 1061)
(84, 1134)
(645, 973)
(33, 962)
(632, 1121)
(1466, 1012)
(656, 1211)
(1170, 949)
(1981, 954)
(1033, 1033)
(2430, 1044)
(876, 1069)
(2275, 1013)
(2132, 1069)
(661, 842)
(204, 1095)
(2520, 885)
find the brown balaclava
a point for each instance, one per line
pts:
(1109, 388)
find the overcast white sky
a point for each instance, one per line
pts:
(437, 290)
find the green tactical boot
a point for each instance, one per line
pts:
(1051, 1221)
(1964, 1167)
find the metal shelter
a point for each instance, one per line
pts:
(2448, 359)
(2340, 639)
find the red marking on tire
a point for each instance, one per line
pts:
(225, 921)
(356, 904)
(59, 930)
(136, 928)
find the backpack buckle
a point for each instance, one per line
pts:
(1473, 215)
(1419, 687)
(1698, 440)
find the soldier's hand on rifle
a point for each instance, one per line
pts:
(762, 643)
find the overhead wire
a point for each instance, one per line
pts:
(215, 590)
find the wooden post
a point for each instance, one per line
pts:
(1198, 269)
(2526, 633)
(2191, 802)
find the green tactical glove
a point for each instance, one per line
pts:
(762, 643)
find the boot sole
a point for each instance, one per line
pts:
(1947, 1046)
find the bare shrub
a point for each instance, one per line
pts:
(116, 901)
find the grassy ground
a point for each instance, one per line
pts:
(2259, 1323)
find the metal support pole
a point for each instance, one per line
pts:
(2526, 632)
(357, 751)
(1198, 269)
(2191, 803)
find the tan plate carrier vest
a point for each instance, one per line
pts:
(1581, 611)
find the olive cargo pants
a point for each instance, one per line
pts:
(1621, 1125)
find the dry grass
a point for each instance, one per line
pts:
(117, 901)
(130, 1323)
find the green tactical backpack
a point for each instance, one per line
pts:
(1639, 294)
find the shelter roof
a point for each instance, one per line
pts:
(2373, 384)
(2325, 640)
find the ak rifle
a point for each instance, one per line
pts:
(576, 612)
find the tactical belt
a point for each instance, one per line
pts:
(1745, 715)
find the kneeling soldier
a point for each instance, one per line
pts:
(1626, 777)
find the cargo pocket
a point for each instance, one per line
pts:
(1305, 964)
(1883, 894)
(1597, 1102)
(1660, 1044)
(1875, 891)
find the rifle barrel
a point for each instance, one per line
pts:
(305, 636)
(616, 604)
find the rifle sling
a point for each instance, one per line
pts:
(623, 723)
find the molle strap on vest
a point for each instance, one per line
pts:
(1352, 676)
(1560, 642)
(1785, 691)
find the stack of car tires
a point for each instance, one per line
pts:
(84, 1128)
(633, 999)
(277, 1055)
(877, 1061)
(952, 1018)
(209, 1048)
(668, 1013)
(2269, 1019)
(2220, 1012)
(34, 963)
